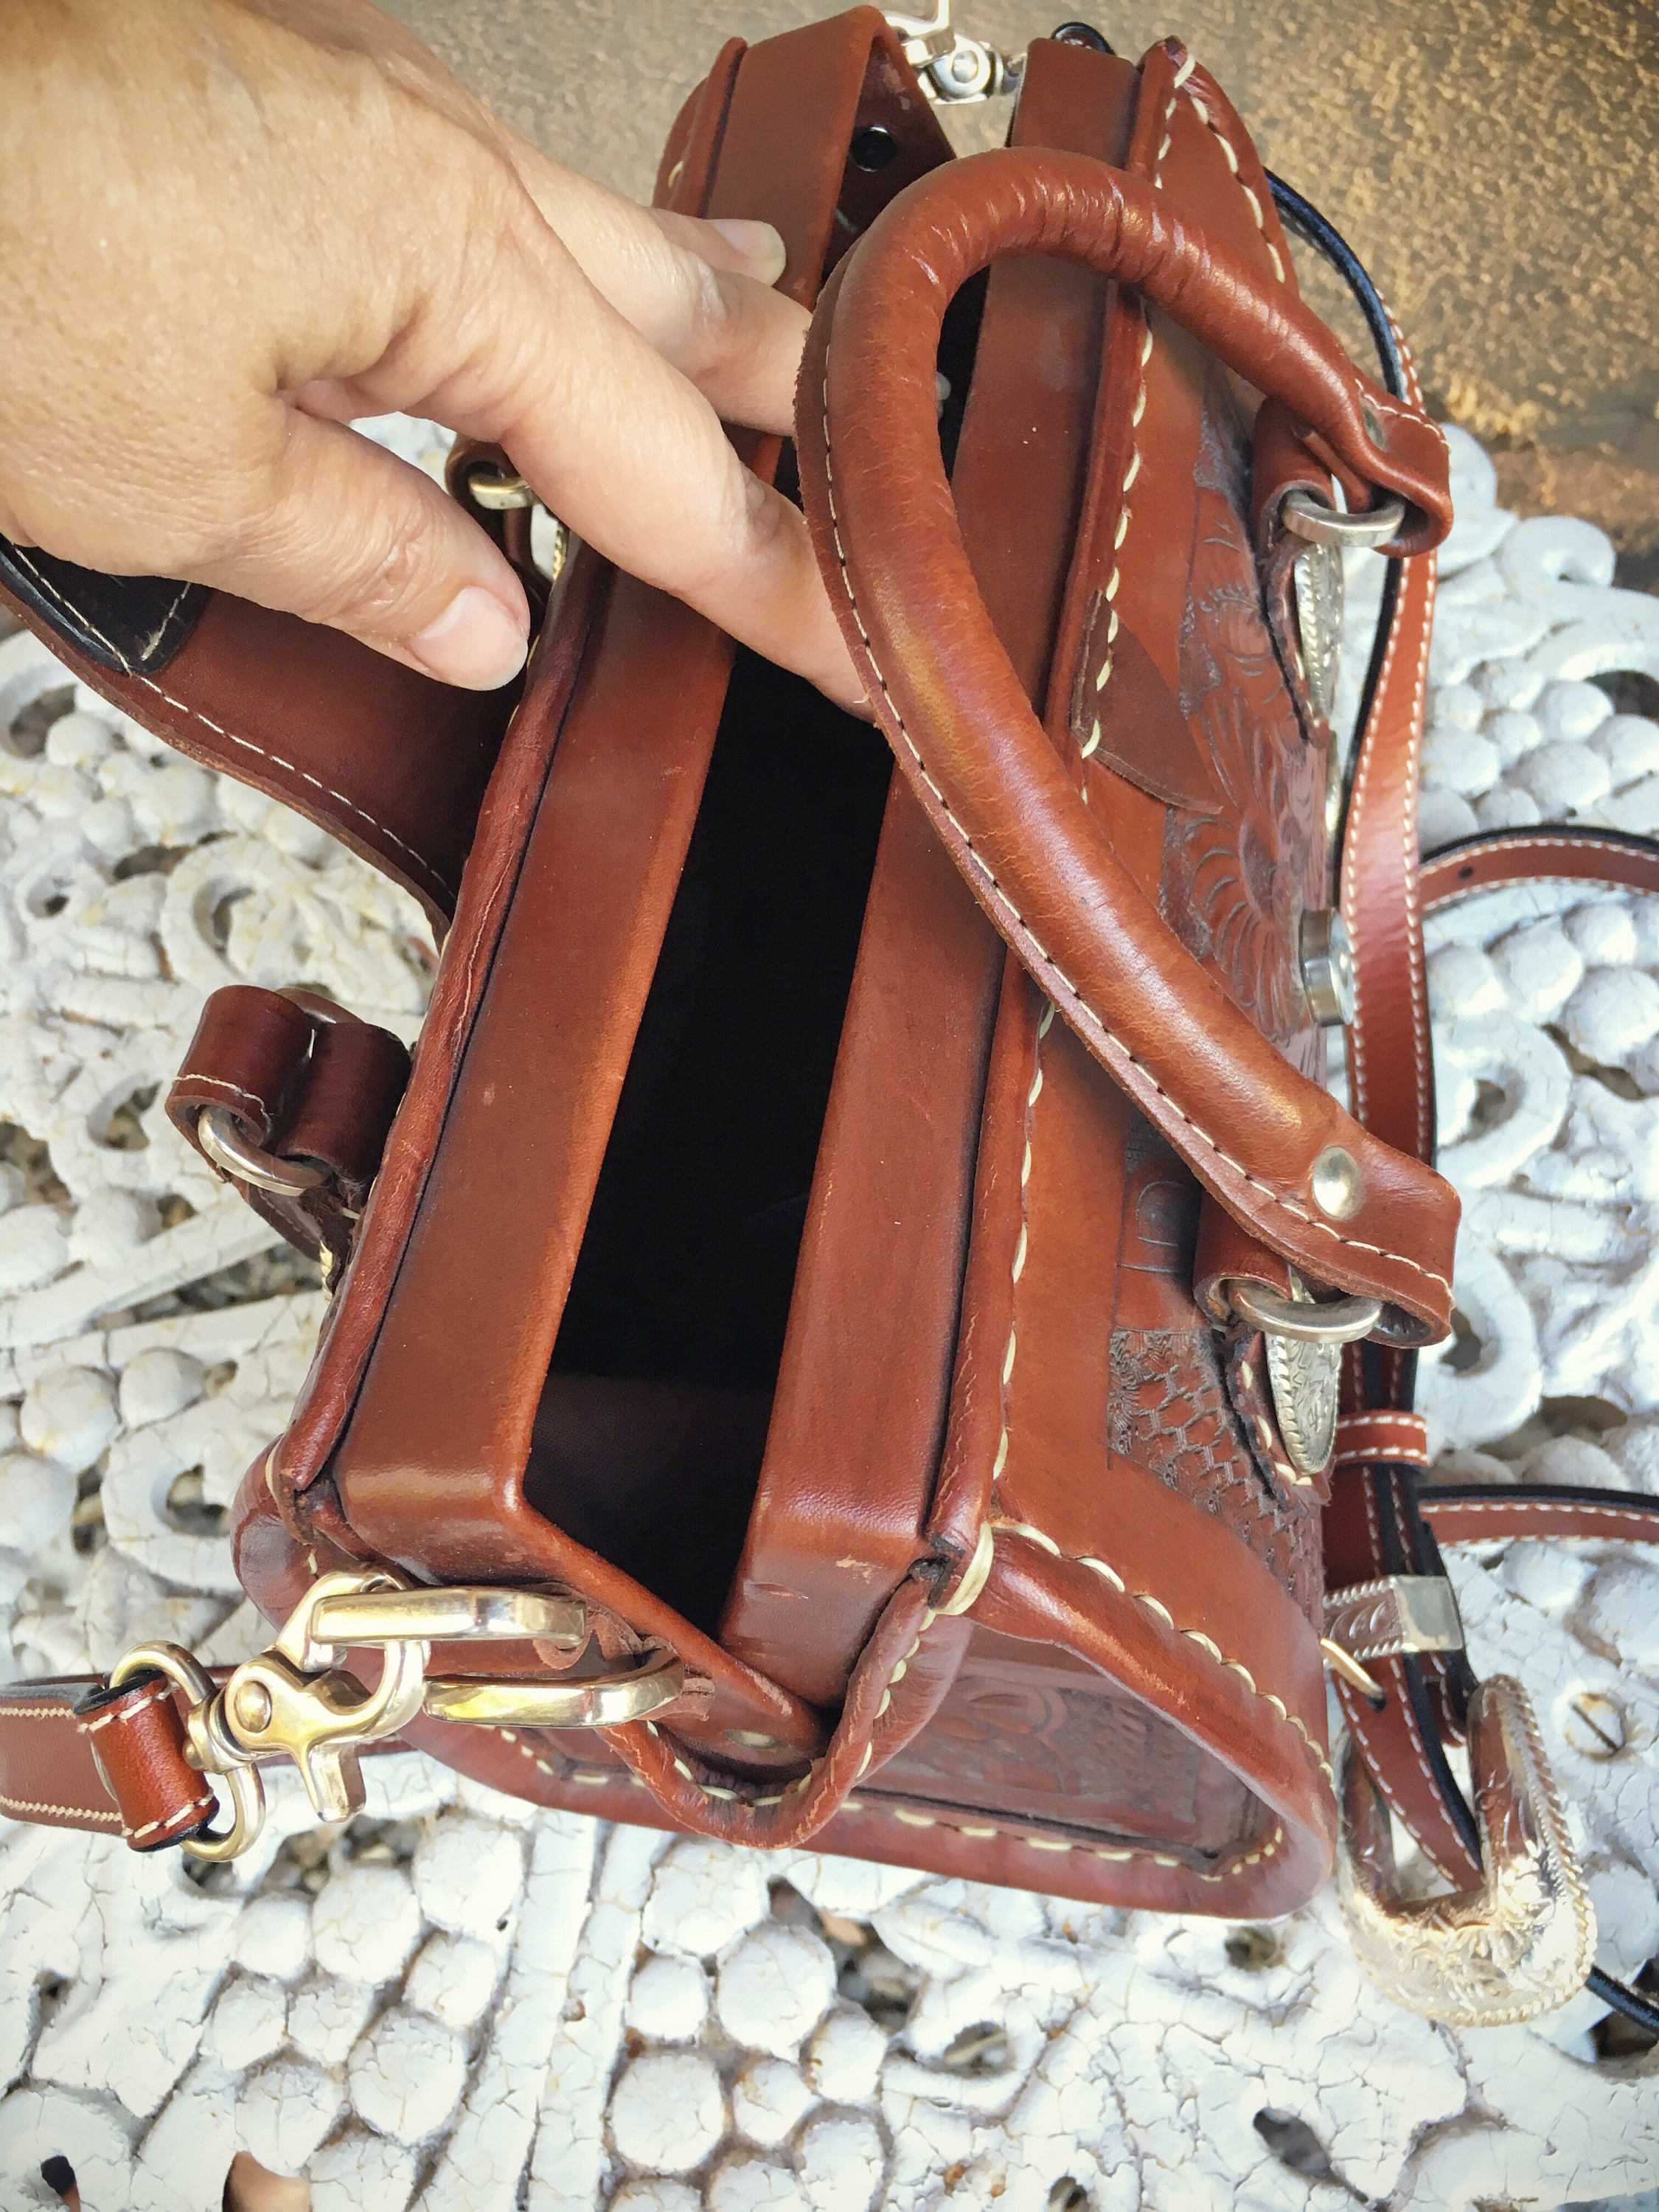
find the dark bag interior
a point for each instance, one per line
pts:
(652, 1428)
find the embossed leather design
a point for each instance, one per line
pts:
(995, 1383)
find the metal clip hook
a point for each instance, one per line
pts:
(954, 69)
(280, 1702)
(295, 1701)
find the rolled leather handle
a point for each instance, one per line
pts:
(1258, 1134)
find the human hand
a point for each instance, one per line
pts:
(228, 226)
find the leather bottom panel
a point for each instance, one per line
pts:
(1257, 1877)
(1029, 1734)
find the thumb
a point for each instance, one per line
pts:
(341, 532)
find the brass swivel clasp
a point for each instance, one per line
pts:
(295, 1701)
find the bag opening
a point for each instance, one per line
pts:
(650, 1433)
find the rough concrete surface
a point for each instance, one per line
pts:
(1493, 162)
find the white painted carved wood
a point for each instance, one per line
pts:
(458, 2003)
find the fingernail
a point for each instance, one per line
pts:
(757, 242)
(476, 642)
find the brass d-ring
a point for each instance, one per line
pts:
(603, 1701)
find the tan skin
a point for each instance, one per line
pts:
(228, 227)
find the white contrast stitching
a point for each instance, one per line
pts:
(1436, 861)
(980, 1831)
(1023, 932)
(1161, 1612)
(1356, 1433)
(125, 1712)
(1454, 1506)
(1226, 144)
(290, 767)
(206, 1803)
(28, 1807)
(1022, 1248)
(1408, 837)
(220, 1083)
(1131, 470)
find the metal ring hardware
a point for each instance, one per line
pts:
(497, 491)
(1336, 1321)
(295, 1701)
(606, 1701)
(953, 68)
(219, 1137)
(1321, 524)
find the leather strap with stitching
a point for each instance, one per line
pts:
(1248, 1126)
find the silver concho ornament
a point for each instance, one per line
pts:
(1304, 1379)
(1318, 574)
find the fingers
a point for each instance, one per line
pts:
(345, 534)
(635, 460)
(700, 292)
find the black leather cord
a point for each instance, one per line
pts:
(1304, 218)
(1634, 2005)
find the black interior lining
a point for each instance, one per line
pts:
(652, 1427)
(685, 1273)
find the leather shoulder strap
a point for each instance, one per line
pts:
(385, 759)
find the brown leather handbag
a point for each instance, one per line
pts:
(863, 1321)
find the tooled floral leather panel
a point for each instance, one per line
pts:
(1237, 879)
(1021, 1727)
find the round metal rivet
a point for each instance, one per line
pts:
(1337, 1189)
(252, 1707)
(1327, 960)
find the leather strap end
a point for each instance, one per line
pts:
(136, 1739)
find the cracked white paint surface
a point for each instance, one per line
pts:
(463, 2006)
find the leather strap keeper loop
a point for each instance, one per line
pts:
(136, 1737)
(302, 1080)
